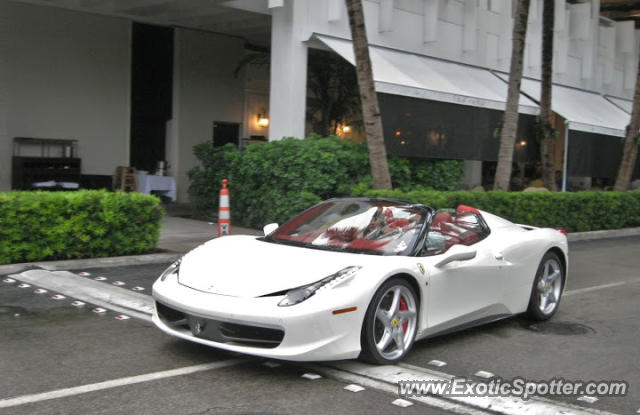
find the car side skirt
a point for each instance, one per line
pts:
(483, 316)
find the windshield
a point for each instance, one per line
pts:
(355, 225)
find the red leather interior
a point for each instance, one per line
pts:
(440, 219)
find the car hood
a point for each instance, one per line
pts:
(244, 266)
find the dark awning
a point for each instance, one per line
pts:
(423, 128)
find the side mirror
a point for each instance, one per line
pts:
(268, 229)
(457, 253)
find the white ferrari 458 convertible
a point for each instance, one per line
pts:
(360, 277)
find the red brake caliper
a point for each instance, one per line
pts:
(403, 307)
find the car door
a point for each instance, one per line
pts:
(465, 269)
(464, 291)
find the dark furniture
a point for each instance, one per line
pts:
(56, 165)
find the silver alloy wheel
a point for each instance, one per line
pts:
(549, 285)
(395, 322)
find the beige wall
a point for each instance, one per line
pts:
(205, 91)
(64, 74)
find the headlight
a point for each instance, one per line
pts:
(298, 295)
(171, 269)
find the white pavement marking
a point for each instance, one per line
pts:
(9, 280)
(311, 376)
(272, 364)
(62, 393)
(24, 285)
(437, 363)
(40, 291)
(483, 374)
(122, 317)
(387, 378)
(353, 388)
(600, 287)
(588, 399)
(401, 403)
(78, 303)
(100, 278)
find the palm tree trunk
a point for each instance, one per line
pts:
(368, 97)
(510, 119)
(548, 133)
(630, 149)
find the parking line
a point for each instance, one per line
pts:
(78, 390)
(600, 287)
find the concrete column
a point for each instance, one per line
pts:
(430, 21)
(288, 89)
(470, 24)
(472, 175)
(6, 147)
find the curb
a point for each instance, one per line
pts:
(92, 262)
(104, 295)
(388, 378)
(594, 235)
(172, 256)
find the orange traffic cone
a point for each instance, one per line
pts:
(224, 212)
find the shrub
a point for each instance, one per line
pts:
(575, 212)
(37, 226)
(273, 181)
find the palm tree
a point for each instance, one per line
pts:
(548, 132)
(630, 149)
(510, 118)
(368, 98)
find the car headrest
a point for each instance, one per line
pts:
(442, 217)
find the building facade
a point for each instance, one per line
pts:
(70, 69)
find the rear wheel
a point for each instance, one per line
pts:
(547, 288)
(391, 323)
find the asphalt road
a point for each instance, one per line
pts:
(49, 345)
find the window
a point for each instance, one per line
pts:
(368, 226)
(449, 227)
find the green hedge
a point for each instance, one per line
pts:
(575, 212)
(273, 181)
(37, 226)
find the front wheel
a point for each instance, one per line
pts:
(547, 288)
(391, 323)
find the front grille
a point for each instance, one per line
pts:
(263, 336)
(169, 314)
(220, 331)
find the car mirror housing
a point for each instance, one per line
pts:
(457, 253)
(268, 229)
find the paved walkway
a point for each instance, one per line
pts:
(181, 235)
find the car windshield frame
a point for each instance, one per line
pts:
(373, 226)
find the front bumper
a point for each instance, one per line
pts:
(310, 331)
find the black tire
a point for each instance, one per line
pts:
(370, 352)
(534, 310)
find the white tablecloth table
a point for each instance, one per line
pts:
(149, 182)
